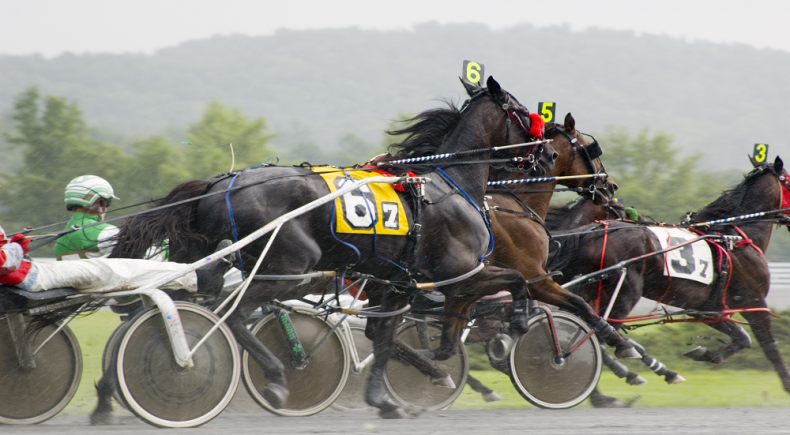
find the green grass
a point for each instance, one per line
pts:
(703, 388)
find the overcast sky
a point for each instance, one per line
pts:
(52, 27)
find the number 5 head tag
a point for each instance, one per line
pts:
(760, 152)
(473, 72)
(547, 111)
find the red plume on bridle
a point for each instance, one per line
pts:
(536, 129)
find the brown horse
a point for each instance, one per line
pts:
(521, 240)
(565, 219)
(742, 282)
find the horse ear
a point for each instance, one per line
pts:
(570, 123)
(471, 89)
(778, 165)
(493, 87)
(754, 162)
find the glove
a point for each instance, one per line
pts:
(23, 241)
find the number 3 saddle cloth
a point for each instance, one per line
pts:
(693, 261)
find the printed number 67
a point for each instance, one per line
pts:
(473, 72)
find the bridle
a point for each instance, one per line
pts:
(590, 153)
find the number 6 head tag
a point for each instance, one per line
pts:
(473, 72)
(760, 152)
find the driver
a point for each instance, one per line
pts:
(101, 275)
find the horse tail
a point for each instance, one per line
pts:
(174, 223)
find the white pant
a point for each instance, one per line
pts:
(103, 275)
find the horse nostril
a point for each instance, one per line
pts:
(555, 156)
(614, 187)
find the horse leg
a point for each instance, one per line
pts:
(598, 400)
(102, 415)
(383, 346)
(760, 321)
(408, 355)
(488, 394)
(550, 292)
(276, 392)
(620, 370)
(656, 366)
(740, 340)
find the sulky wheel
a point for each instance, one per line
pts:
(544, 380)
(35, 393)
(319, 382)
(353, 396)
(160, 391)
(413, 389)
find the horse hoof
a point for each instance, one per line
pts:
(276, 395)
(492, 397)
(607, 402)
(626, 353)
(102, 419)
(635, 379)
(697, 353)
(675, 379)
(445, 381)
(391, 411)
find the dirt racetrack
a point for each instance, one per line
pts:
(506, 422)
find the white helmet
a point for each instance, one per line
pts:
(85, 190)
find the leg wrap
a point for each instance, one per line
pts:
(518, 316)
(603, 329)
(741, 338)
(619, 369)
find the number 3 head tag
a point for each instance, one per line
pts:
(760, 152)
(473, 73)
(547, 111)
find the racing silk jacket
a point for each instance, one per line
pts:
(14, 269)
(93, 242)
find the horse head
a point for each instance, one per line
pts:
(536, 160)
(578, 156)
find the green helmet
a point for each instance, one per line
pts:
(85, 190)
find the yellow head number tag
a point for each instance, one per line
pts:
(547, 111)
(473, 72)
(760, 152)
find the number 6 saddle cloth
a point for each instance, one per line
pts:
(357, 211)
(693, 261)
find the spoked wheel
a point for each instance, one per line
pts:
(30, 395)
(106, 358)
(545, 380)
(316, 385)
(160, 391)
(413, 389)
(353, 396)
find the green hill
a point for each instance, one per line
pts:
(715, 99)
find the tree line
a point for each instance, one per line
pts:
(55, 144)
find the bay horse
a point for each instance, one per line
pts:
(521, 240)
(742, 284)
(453, 242)
(565, 219)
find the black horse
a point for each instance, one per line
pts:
(742, 282)
(453, 241)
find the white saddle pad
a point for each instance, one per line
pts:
(693, 261)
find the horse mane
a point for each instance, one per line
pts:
(426, 133)
(552, 128)
(730, 200)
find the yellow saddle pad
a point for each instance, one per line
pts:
(357, 211)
